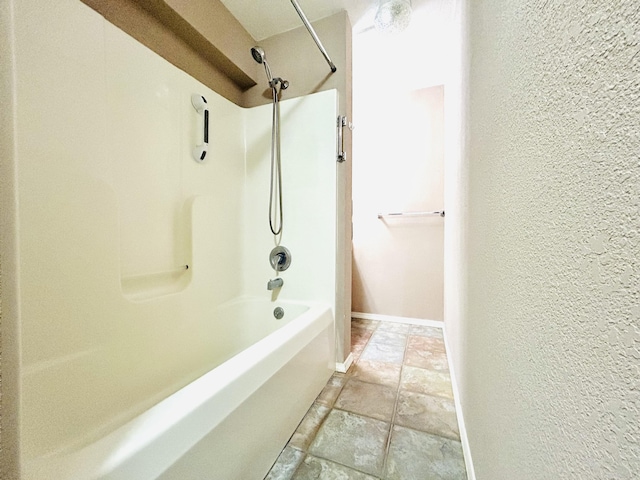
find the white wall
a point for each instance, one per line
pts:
(547, 341)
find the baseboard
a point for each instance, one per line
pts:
(464, 439)
(391, 318)
(344, 366)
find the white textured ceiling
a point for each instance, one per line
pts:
(264, 18)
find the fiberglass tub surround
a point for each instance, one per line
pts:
(207, 429)
(112, 210)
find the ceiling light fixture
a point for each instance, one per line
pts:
(393, 16)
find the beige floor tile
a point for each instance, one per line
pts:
(427, 344)
(314, 468)
(389, 338)
(424, 331)
(427, 413)
(395, 327)
(362, 323)
(426, 352)
(381, 352)
(386, 347)
(417, 455)
(352, 440)
(285, 465)
(369, 399)
(332, 389)
(426, 359)
(360, 336)
(306, 431)
(425, 381)
(356, 352)
(377, 372)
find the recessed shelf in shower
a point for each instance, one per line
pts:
(151, 285)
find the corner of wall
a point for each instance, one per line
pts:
(456, 227)
(294, 55)
(9, 347)
(174, 30)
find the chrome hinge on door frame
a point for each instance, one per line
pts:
(342, 122)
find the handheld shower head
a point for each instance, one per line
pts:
(258, 54)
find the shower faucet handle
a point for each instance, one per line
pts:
(280, 258)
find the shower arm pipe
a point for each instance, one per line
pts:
(312, 32)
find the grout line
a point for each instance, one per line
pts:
(395, 408)
(393, 412)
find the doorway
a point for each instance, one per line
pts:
(398, 194)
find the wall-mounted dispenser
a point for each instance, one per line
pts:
(200, 104)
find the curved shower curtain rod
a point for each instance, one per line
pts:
(312, 32)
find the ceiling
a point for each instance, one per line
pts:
(264, 18)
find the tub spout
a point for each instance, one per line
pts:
(275, 283)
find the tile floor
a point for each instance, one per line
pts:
(390, 417)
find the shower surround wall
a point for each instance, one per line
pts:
(309, 193)
(202, 38)
(100, 314)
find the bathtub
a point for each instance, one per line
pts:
(230, 423)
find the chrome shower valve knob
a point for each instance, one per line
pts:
(280, 258)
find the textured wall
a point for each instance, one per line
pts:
(6, 210)
(551, 380)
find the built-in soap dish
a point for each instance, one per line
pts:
(151, 285)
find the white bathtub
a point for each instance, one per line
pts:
(232, 422)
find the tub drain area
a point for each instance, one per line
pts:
(278, 312)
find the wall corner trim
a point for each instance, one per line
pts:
(342, 367)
